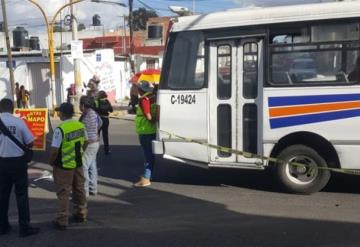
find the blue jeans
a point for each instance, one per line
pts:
(90, 168)
(146, 144)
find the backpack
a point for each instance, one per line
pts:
(103, 107)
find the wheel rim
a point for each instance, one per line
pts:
(302, 175)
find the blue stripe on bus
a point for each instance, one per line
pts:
(311, 99)
(312, 118)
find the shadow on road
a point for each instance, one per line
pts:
(124, 216)
(149, 217)
(127, 165)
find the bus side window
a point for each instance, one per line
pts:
(250, 68)
(319, 54)
(224, 68)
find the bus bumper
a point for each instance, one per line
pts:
(157, 147)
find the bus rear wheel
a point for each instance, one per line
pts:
(304, 175)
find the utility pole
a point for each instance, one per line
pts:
(124, 36)
(8, 48)
(77, 72)
(131, 30)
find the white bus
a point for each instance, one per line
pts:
(279, 82)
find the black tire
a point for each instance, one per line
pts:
(301, 180)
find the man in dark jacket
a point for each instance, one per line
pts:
(103, 108)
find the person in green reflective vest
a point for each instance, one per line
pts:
(146, 129)
(69, 142)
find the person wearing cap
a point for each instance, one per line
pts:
(93, 123)
(146, 130)
(13, 170)
(68, 144)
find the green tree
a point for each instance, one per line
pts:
(140, 17)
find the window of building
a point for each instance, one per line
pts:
(151, 63)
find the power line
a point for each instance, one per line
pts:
(147, 6)
(152, 8)
(13, 2)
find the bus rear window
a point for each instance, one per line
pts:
(186, 62)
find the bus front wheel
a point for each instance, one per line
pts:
(298, 170)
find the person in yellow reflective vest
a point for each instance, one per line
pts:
(69, 142)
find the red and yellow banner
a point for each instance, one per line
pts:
(37, 121)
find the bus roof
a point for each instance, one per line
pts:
(267, 15)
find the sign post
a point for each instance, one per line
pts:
(77, 49)
(37, 122)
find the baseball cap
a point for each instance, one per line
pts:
(66, 108)
(145, 86)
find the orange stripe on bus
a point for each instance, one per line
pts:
(296, 110)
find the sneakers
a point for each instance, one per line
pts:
(143, 182)
(77, 219)
(28, 231)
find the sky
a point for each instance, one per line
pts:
(23, 13)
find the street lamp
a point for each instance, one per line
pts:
(181, 11)
(50, 29)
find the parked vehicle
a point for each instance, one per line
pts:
(218, 86)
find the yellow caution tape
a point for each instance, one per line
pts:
(271, 159)
(256, 156)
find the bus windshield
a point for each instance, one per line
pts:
(186, 61)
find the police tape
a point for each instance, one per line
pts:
(311, 169)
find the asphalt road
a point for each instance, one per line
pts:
(190, 206)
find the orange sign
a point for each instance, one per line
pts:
(37, 121)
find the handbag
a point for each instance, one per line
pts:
(28, 153)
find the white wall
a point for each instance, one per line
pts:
(20, 73)
(124, 71)
(113, 75)
(140, 62)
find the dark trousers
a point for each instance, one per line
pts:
(134, 100)
(13, 171)
(105, 132)
(146, 144)
(18, 103)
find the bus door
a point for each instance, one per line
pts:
(235, 91)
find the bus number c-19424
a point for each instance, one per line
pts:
(182, 99)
